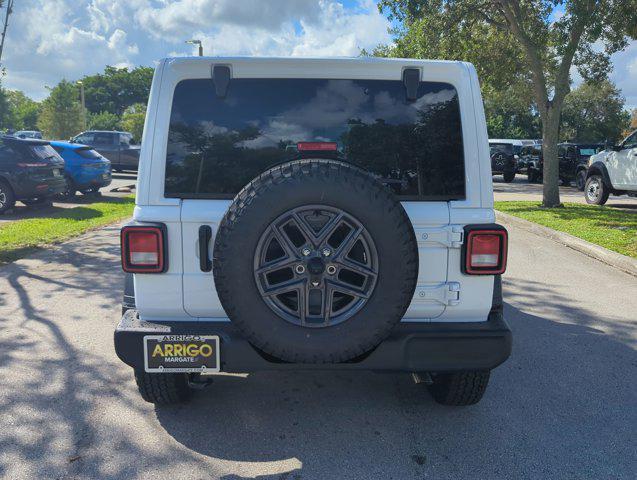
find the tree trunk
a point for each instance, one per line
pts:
(550, 132)
(8, 12)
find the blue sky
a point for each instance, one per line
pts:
(53, 39)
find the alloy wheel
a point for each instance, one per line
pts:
(316, 266)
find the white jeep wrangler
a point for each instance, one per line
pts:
(613, 170)
(314, 214)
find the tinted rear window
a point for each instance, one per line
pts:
(88, 153)
(216, 146)
(43, 152)
(501, 148)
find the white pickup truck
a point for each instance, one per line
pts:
(612, 171)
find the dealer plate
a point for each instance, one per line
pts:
(181, 353)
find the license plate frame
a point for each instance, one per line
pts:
(200, 362)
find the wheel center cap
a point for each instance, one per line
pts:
(315, 266)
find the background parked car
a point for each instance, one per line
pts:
(579, 161)
(518, 145)
(30, 171)
(573, 162)
(612, 171)
(116, 146)
(84, 168)
(503, 160)
(28, 134)
(532, 157)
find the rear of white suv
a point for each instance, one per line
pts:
(314, 213)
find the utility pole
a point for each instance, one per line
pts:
(196, 42)
(81, 84)
(6, 24)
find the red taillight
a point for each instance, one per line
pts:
(143, 249)
(486, 251)
(316, 146)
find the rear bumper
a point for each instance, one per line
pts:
(95, 183)
(411, 347)
(29, 187)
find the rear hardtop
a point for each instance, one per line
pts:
(172, 71)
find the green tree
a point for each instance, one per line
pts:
(24, 111)
(117, 89)
(6, 117)
(510, 114)
(61, 114)
(546, 38)
(133, 121)
(103, 121)
(594, 112)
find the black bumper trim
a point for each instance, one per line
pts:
(411, 347)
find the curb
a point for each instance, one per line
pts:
(614, 259)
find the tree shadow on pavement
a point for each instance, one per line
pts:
(559, 408)
(60, 397)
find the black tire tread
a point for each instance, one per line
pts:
(10, 203)
(163, 388)
(580, 180)
(460, 388)
(360, 183)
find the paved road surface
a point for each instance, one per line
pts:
(520, 189)
(564, 405)
(120, 180)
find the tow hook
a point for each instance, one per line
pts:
(198, 383)
(422, 377)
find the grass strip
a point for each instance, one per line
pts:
(609, 227)
(24, 236)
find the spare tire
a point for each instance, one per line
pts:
(315, 262)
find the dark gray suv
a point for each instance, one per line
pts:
(118, 147)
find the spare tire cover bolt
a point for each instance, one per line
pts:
(306, 252)
(300, 269)
(331, 269)
(327, 252)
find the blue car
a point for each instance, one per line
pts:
(85, 170)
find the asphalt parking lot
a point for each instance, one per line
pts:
(517, 190)
(117, 188)
(563, 406)
(520, 189)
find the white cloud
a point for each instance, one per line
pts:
(340, 32)
(334, 31)
(173, 19)
(625, 73)
(53, 39)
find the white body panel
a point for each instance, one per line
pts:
(443, 292)
(622, 165)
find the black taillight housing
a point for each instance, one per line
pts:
(485, 249)
(144, 248)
